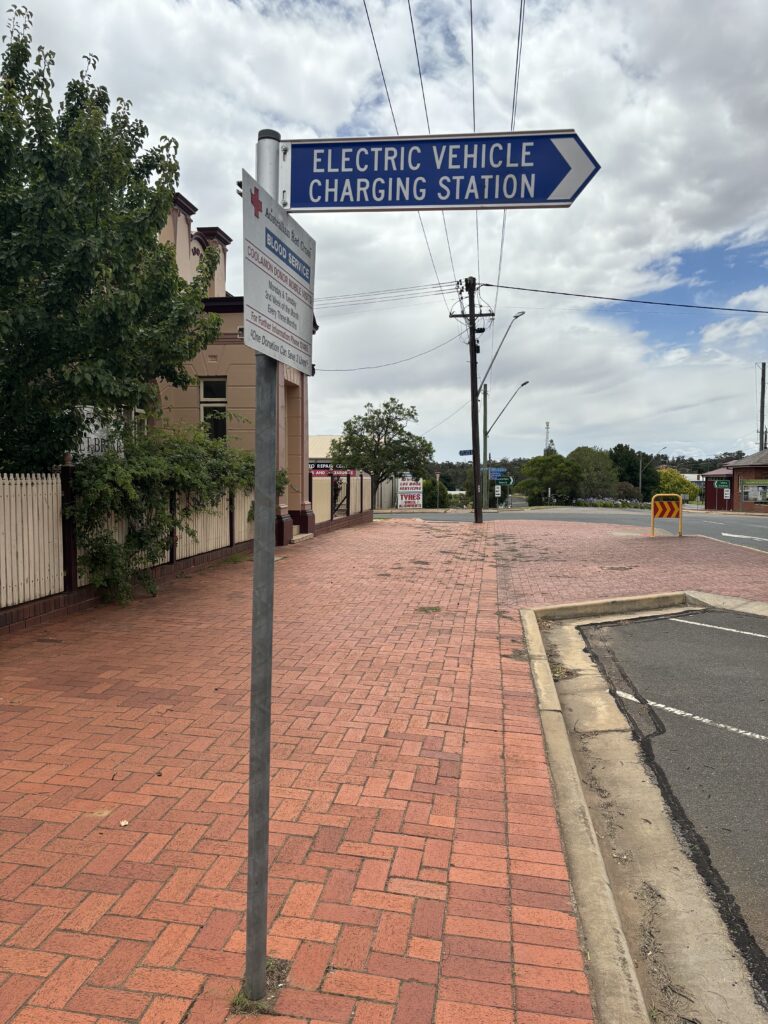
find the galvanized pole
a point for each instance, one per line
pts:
(761, 438)
(471, 285)
(485, 446)
(265, 449)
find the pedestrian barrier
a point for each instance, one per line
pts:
(667, 506)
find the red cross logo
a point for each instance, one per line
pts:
(256, 203)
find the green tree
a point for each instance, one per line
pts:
(628, 462)
(92, 309)
(550, 472)
(675, 483)
(378, 442)
(599, 478)
(429, 494)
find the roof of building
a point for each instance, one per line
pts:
(214, 235)
(184, 204)
(758, 459)
(722, 471)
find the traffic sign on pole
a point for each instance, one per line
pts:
(278, 280)
(498, 170)
(465, 451)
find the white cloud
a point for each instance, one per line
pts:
(670, 102)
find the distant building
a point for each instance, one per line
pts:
(224, 395)
(750, 483)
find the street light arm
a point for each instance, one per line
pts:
(505, 407)
(515, 317)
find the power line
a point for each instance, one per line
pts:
(381, 67)
(474, 118)
(379, 366)
(429, 127)
(385, 295)
(454, 413)
(397, 132)
(641, 302)
(512, 121)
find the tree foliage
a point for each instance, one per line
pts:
(132, 485)
(378, 442)
(550, 473)
(599, 478)
(628, 462)
(92, 309)
(673, 482)
(429, 493)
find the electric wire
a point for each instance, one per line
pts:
(512, 121)
(640, 302)
(381, 68)
(474, 118)
(429, 127)
(397, 132)
(379, 366)
(454, 413)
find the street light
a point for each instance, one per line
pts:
(487, 430)
(642, 467)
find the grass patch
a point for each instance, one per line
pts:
(429, 609)
(277, 972)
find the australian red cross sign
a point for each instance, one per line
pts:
(278, 280)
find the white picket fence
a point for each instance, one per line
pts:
(31, 544)
(31, 535)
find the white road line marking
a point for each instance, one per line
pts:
(725, 629)
(744, 536)
(696, 718)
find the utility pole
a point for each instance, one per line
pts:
(472, 317)
(546, 438)
(485, 446)
(471, 284)
(761, 442)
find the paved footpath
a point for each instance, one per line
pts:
(417, 875)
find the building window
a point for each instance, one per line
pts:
(213, 405)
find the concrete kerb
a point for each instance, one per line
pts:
(615, 987)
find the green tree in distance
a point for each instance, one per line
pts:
(92, 309)
(628, 461)
(550, 472)
(429, 493)
(675, 483)
(599, 478)
(379, 442)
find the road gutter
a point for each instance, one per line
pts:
(715, 976)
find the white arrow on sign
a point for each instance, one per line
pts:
(581, 167)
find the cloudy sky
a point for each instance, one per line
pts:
(670, 96)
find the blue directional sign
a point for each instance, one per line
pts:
(435, 172)
(496, 473)
(465, 451)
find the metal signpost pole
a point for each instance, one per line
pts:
(485, 446)
(471, 284)
(265, 447)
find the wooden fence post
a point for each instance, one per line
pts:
(68, 531)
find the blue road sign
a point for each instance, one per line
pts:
(465, 451)
(496, 473)
(435, 172)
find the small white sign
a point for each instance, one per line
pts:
(278, 280)
(497, 490)
(727, 493)
(409, 493)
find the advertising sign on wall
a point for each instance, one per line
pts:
(409, 493)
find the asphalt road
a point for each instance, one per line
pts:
(746, 530)
(696, 688)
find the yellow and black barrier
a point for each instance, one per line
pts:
(667, 506)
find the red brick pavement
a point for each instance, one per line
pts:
(417, 874)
